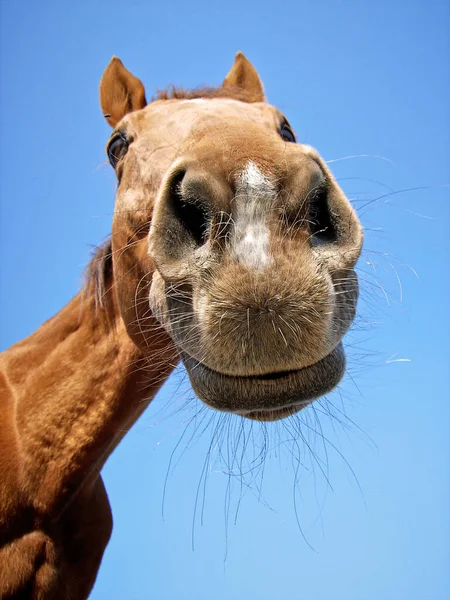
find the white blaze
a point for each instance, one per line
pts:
(254, 198)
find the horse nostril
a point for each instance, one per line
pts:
(189, 211)
(319, 218)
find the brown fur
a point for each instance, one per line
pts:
(253, 305)
(211, 93)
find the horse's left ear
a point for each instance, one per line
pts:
(120, 92)
(244, 75)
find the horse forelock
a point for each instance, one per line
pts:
(231, 92)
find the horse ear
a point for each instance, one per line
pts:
(120, 92)
(244, 75)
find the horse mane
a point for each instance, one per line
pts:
(98, 274)
(232, 92)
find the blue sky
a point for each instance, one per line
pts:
(365, 516)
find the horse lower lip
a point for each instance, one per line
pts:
(268, 393)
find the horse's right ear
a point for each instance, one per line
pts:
(120, 92)
(244, 75)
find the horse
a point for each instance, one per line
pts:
(233, 250)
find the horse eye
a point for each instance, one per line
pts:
(117, 148)
(287, 134)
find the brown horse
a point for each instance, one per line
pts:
(233, 249)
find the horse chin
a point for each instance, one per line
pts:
(267, 397)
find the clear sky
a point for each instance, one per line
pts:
(366, 514)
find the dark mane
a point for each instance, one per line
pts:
(175, 93)
(99, 274)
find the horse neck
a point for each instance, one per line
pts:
(73, 389)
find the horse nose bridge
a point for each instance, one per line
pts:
(253, 202)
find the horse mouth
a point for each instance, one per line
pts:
(267, 397)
